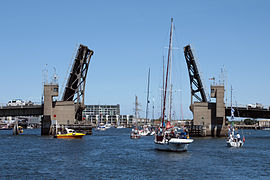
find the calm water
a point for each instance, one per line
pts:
(112, 154)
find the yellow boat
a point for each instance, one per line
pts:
(71, 134)
(20, 128)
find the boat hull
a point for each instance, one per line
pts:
(134, 136)
(70, 136)
(174, 144)
(234, 143)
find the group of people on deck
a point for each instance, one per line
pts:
(174, 133)
(232, 136)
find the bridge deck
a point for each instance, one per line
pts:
(33, 110)
(251, 113)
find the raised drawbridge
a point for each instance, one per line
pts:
(196, 85)
(69, 110)
(75, 86)
(209, 117)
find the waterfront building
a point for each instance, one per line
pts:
(107, 114)
(265, 123)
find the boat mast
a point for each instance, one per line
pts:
(231, 96)
(153, 110)
(170, 77)
(168, 63)
(232, 110)
(136, 110)
(162, 89)
(147, 99)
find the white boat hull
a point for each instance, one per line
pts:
(101, 128)
(234, 143)
(174, 144)
(120, 127)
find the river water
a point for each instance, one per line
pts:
(111, 154)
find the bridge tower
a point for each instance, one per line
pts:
(68, 111)
(209, 115)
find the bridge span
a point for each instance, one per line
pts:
(27, 110)
(249, 113)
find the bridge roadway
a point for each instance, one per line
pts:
(249, 113)
(28, 110)
(36, 110)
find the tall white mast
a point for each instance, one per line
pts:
(147, 98)
(170, 75)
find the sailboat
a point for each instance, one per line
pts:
(100, 126)
(145, 130)
(135, 134)
(167, 137)
(234, 139)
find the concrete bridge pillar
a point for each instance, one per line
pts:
(211, 115)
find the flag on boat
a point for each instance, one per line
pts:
(232, 113)
(168, 125)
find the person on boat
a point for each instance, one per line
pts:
(238, 136)
(185, 134)
(231, 136)
(172, 134)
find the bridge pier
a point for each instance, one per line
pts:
(211, 115)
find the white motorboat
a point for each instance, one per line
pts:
(108, 126)
(145, 132)
(120, 127)
(101, 128)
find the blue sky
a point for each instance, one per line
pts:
(128, 37)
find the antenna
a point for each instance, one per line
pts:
(44, 80)
(45, 74)
(55, 77)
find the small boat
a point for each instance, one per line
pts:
(234, 143)
(234, 140)
(17, 129)
(135, 134)
(120, 127)
(5, 127)
(101, 128)
(145, 132)
(71, 134)
(108, 126)
(20, 129)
